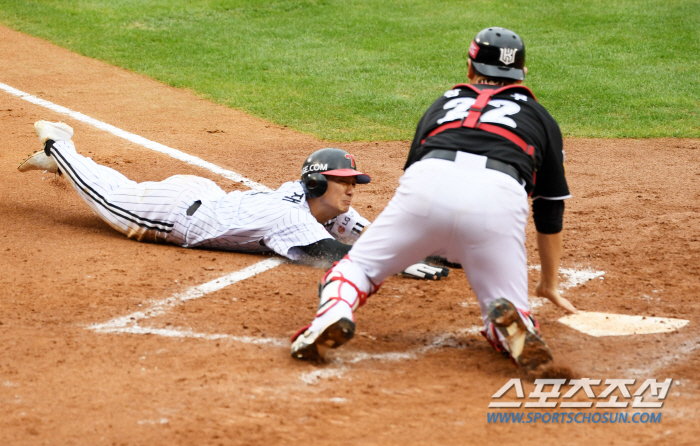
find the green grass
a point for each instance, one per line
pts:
(347, 70)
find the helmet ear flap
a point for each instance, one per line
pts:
(315, 185)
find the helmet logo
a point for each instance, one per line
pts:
(507, 55)
(473, 50)
(314, 168)
(352, 160)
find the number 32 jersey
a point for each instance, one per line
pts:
(514, 109)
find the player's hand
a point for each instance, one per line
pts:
(553, 295)
(441, 261)
(422, 270)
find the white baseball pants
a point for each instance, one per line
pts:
(457, 209)
(148, 211)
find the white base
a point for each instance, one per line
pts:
(607, 324)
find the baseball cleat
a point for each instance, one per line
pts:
(38, 161)
(57, 131)
(527, 349)
(312, 346)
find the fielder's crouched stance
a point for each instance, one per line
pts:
(306, 219)
(464, 196)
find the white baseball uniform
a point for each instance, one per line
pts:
(479, 223)
(163, 211)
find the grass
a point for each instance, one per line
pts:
(348, 70)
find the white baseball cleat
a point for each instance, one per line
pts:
(38, 161)
(310, 345)
(58, 131)
(520, 338)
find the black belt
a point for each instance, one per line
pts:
(492, 164)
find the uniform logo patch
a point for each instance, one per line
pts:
(341, 229)
(473, 50)
(507, 55)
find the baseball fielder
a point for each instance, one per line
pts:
(478, 152)
(307, 219)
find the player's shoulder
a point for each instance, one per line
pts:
(290, 186)
(459, 90)
(524, 97)
(291, 192)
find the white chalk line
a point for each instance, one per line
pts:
(338, 363)
(186, 333)
(574, 277)
(130, 322)
(136, 139)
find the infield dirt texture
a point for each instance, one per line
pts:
(214, 369)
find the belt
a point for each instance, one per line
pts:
(492, 164)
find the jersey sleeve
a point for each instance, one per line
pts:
(347, 227)
(550, 181)
(297, 228)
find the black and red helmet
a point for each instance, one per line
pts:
(498, 52)
(324, 162)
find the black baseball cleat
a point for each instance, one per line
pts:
(312, 346)
(525, 346)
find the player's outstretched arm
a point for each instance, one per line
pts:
(550, 247)
(329, 250)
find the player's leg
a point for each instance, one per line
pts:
(347, 285)
(143, 211)
(491, 249)
(138, 210)
(403, 234)
(494, 259)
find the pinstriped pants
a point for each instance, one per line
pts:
(148, 211)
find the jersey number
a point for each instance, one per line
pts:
(459, 109)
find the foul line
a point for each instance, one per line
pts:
(136, 139)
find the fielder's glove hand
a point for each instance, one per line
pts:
(441, 261)
(422, 270)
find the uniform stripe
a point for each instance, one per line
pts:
(68, 169)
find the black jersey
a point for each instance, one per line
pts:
(517, 111)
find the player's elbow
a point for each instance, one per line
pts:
(548, 216)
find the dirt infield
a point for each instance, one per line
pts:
(214, 368)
